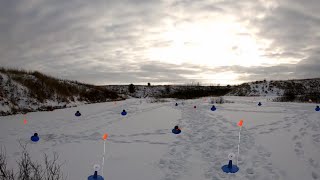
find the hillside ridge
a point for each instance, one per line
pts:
(22, 91)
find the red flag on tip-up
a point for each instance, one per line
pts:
(240, 123)
(105, 136)
(25, 121)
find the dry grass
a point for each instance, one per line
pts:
(43, 87)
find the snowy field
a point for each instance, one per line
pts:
(278, 140)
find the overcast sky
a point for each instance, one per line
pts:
(162, 42)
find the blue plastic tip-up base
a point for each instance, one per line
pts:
(176, 131)
(213, 109)
(124, 113)
(97, 178)
(77, 114)
(226, 169)
(317, 109)
(35, 138)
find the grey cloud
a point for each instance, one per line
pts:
(308, 68)
(125, 74)
(292, 27)
(103, 41)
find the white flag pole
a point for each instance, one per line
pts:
(239, 145)
(104, 152)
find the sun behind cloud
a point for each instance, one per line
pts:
(212, 43)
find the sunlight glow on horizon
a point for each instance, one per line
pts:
(218, 43)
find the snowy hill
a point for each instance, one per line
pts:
(32, 91)
(277, 88)
(22, 91)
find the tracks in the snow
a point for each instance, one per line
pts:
(94, 132)
(213, 137)
(305, 130)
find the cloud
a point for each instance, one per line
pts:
(105, 41)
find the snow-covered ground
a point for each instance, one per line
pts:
(278, 140)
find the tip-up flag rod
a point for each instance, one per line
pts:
(104, 137)
(240, 123)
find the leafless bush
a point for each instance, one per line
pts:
(31, 170)
(5, 173)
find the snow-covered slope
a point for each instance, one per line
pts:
(24, 92)
(16, 97)
(276, 88)
(279, 141)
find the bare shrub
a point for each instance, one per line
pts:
(31, 170)
(5, 173)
